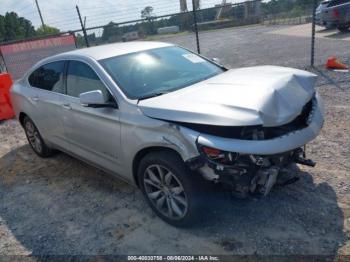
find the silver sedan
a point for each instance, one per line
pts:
(164, 118)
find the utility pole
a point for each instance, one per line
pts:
(194, 7)
(83, 27)
(313, 32)
(41, 17)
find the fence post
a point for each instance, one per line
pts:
(196, 25)
(83, 27)
(314, 7)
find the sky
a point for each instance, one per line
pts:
(63, 15)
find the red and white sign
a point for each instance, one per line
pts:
(19, 57)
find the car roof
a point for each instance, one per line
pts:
(116, 49)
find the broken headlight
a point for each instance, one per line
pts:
(219, 156)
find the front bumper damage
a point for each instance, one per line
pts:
(252, 173)
(258, 165)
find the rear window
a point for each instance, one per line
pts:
(48, 77)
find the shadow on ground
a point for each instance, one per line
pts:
(337, 34)
(62, 206)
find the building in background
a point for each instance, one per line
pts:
(197, 4)
(223, 9)
(183, 6)
(130, 36)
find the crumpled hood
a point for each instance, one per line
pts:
(263, 95)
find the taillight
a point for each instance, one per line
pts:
(336, 13)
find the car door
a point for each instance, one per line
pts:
(93, 133)
(46, 94)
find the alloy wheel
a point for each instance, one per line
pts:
(165, 192)
(33, 136)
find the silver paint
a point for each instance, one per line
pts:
(111, 138)
(265, 95)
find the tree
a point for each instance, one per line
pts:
(148, 27)
(2, 27)
(13, 27)
(147, 12)
(47, 30)
(111, 30)
(79, 39)
(279, 6)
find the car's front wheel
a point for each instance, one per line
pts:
(35, 140)
(169, 188)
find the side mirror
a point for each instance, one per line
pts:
(93, 99)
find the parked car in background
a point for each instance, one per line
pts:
(319, 15)
(164, 118)
(334, 13)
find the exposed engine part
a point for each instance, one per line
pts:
(257, 132)
(305, 162)
(244, 174)
(270, 178)
(209, 174)
(300, 159)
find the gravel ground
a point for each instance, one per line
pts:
(62, 206)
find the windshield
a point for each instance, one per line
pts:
(157, 71)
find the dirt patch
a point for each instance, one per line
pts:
(305, 29)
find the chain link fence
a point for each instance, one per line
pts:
(246, 33)
(239, 34)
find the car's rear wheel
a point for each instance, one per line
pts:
(35, 140)
(169, 188)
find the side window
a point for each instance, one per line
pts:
(81, 78)
(49, 77)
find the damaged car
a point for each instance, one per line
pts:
(163, 119)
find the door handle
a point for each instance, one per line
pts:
(35, 98)
(67, 106)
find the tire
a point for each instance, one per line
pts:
(35, 140)
(344, 28)
(177, 186)
(328, 26)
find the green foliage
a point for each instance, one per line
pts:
(207, 15)
(111, 30)
(147, 12)
(79, 39)
(47, 30)
(185, 20)
(13, 27)
(292, 6)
